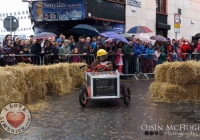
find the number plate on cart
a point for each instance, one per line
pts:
(105, 87)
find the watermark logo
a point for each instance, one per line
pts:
(15, 118)
(179, 130)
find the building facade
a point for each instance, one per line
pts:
(62, 15)
(189, 11)
(158, 15)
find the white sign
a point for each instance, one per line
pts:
(177, 21)
(134, 3)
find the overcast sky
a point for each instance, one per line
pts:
(11, 6)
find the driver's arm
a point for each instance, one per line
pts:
(94, 64)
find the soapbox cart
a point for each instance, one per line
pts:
(103, 85)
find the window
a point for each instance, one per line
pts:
(161, 6)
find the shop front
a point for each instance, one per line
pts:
(62, 16)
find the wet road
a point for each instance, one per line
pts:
(62, 118)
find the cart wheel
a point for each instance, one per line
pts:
(122, 90)
(127, 96)
(83, 97)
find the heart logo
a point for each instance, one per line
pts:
(15, 119)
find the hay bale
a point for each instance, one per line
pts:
(193, 90)
(36, 93)
(179, 73)
(168, 93)
(77, 73)
(160, 71)
(24, 65)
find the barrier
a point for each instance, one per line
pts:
(195, 56)
(27, 58)
(48, 59)
(78, 58)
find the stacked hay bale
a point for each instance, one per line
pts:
(177, 81)
(10, 89)
(63, 77)
(31, 81)
(77, 71)
(26, 83)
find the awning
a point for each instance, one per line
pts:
(163, 26)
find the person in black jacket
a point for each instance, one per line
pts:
(36, 49)
(48, 53)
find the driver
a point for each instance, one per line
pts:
(101, 60)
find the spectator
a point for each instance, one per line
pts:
(97, 48)
(120, 45)
(87, 57)
(48, 53)
(65, 51)
(34, 41)
(94, 42)
(6, 39)
(9, 52)
(162, 57)
(128, 52)
(184, 48)
(198, 46)
(80, 44)
(56, 52)
(26, 59)
(169, 51)
(71, 45)
(156, 56)
(149, 59)
(36, 49)
(119, 60)
(76, 58)
(60, 39)
(88, 41)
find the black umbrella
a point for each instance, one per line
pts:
(86, 30)
(197, 35)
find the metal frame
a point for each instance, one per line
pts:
(100, 77)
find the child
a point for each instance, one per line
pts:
(162, 57)
(76, 58)
(169, 53)
(119, 60)
(26, 59)
(156, 56)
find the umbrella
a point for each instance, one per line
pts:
(158, 38)
(197, 35)
(139, 29)
(110, 40)
(142, 37)
(126, 35)
(84, 29)
(44, 35)
(115, 36)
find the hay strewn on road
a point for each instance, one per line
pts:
(26, 83)
(177, 81)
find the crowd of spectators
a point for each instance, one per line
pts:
(137, 56)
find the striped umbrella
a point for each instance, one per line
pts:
(139, 29)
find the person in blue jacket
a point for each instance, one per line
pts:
(138, 46)
(148, 59)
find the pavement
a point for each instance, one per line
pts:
(62, 118)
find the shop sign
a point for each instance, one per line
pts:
(107, 26)
(134, 3)
(59, 10)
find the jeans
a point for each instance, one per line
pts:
(155, 62)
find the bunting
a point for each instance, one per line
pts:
(18, 30)
(19, 13)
